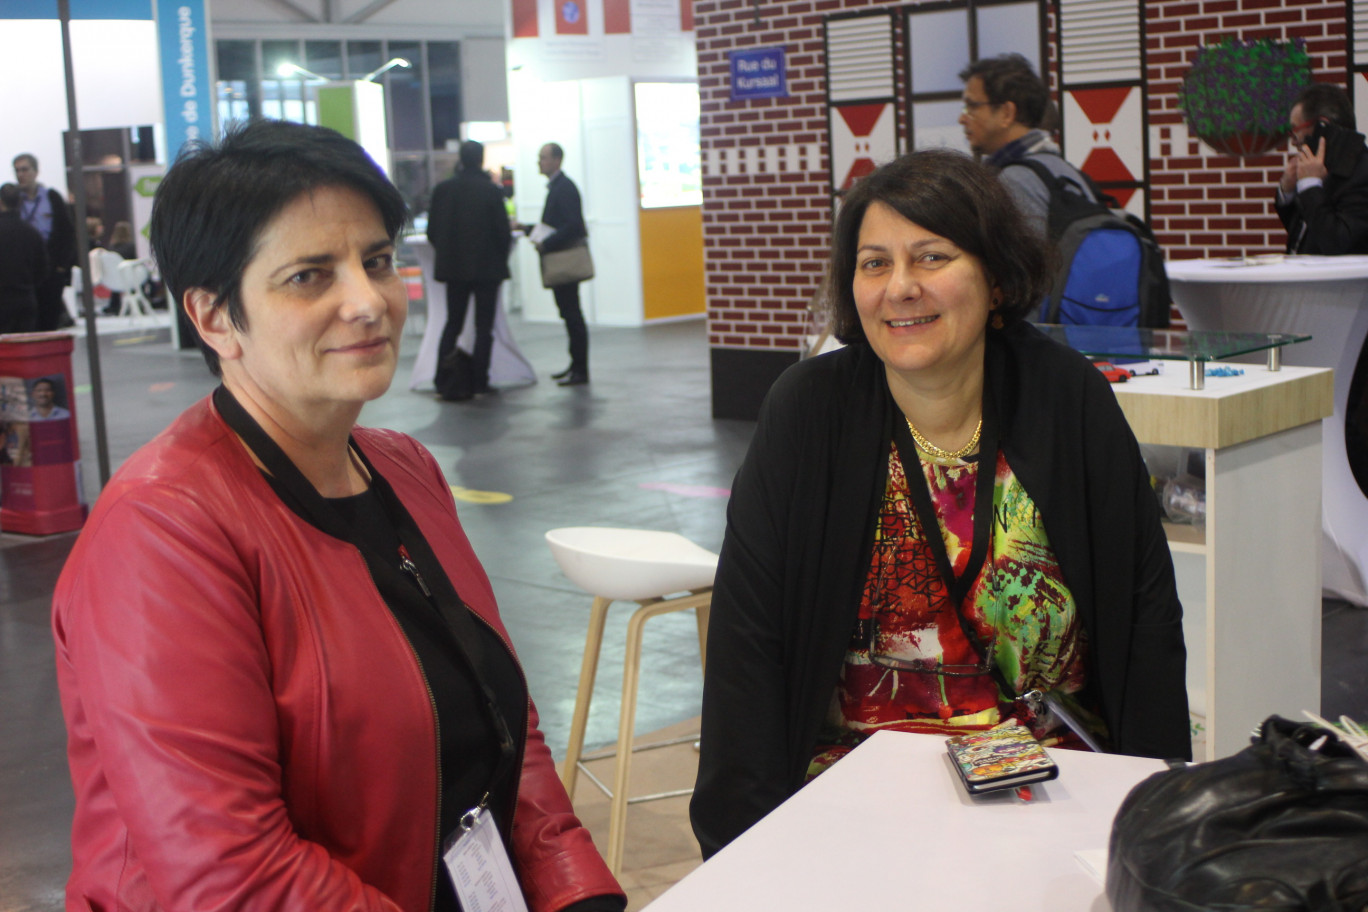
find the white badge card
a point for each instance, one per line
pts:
(480, 868)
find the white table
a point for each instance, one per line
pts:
(507, 364)
(890, 827)
(1326, 297)
(1250, 581)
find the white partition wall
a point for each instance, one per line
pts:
(610, 167)
(570, 82)
(543, 112)
(117, 85)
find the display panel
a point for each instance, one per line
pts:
(669, 163)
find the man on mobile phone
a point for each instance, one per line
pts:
(1322, 196)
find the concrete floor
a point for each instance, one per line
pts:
(635, 448)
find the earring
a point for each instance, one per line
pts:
(996, 321)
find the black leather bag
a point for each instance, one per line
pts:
(1280, 826)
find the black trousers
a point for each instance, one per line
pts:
(486, 301)
(568, 303)
(52, 312)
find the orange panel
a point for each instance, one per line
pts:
(672, 262)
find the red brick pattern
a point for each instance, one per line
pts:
(765, 231)
(766, 228)
(1203, 203)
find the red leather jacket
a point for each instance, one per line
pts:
(248, 727)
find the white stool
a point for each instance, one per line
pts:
(627, 565)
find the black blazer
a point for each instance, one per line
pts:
(61, 242)
(23, 260)
(1332, 219)
(468, 229)
(564, 213)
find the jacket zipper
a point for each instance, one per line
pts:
(408, 566)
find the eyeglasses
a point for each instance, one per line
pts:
(972, 106)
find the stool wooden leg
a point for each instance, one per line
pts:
(598, 616)
(701, 615)
(631, 673)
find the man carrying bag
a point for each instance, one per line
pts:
(562, 241)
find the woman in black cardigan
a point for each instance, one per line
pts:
(1048, 576)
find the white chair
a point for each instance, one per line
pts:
(125, 277)
(661, 571)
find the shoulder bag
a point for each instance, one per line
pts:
(1282, 826)
(568, 266)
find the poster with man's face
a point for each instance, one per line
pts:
(48, 399)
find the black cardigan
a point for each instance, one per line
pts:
(800, 525)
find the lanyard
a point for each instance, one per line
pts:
(415, 557)
(956, 586)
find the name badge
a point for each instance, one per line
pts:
(480, 868)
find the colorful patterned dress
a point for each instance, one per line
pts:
(1018, 605)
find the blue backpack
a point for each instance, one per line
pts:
(1111, 270)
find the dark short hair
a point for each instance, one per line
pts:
(948, 194)
(556, 151)
(24, 156)
(472, 155)
(1321, 100)
(217, 199)
(1010, 77)
(9, 196)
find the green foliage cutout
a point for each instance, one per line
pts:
(1244, 86)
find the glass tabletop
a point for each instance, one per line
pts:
(1165, 344)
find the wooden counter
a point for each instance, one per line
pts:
(1250, 581)
(1231, 410)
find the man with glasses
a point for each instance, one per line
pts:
(1006, 107)
(44, 209)
(1322, 196)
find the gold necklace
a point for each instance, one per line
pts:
(931, 449)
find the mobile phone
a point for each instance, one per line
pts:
(1006, 757)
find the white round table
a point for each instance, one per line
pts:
(1327, 298)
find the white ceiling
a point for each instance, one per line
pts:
(444, 18)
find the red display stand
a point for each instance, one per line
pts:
(40, 471)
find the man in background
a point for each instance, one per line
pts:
(46, 211)
(470, 234)
(1322, 197)
(564, 214)
(1005, 106)
(23, 266)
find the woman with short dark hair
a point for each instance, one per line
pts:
(941, 528)
(285, 680)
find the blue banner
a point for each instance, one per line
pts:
(183, 39)
(758, 73)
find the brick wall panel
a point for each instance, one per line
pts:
(766, 234)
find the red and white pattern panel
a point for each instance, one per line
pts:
(1104, 135)
(863, 136)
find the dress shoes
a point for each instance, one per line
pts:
(561, 375)
(573, 379)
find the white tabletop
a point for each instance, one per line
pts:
(889, 826)
(1269, 268)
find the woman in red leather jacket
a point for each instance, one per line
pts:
(284, 677)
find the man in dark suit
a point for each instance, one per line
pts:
(470, 235)
(23, 266)
(45, 210)
(1322, 196)
(563, 214)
